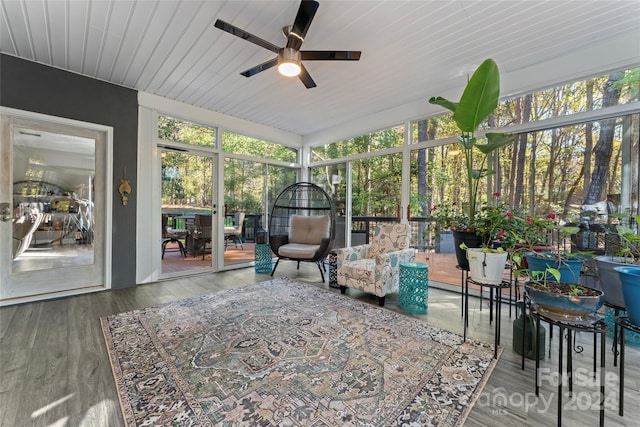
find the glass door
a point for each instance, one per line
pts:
(53, 197)
(188, 211)
(333, 180)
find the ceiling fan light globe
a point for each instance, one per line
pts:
(289, 62)
(289, 69)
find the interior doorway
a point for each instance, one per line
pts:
(54, 215)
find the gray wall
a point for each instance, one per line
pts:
(29, 86)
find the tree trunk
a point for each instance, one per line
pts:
(604, 147)
(532, 174)
(588, 147)
(551, 172)
(514, 158)
(422, 169)
(521, 151)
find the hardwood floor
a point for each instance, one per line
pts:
(54, 369)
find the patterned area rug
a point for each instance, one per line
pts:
(290, 354)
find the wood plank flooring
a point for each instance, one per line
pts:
(54, 369)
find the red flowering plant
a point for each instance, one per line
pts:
(532, 233)
(499, 223)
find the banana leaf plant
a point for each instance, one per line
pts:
(478, 101)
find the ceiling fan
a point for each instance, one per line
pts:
(290, 57)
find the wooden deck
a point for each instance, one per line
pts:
(442, 267)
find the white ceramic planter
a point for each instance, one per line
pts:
(485, 266)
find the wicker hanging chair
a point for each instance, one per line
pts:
(302, 225)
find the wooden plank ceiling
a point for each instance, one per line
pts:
(411, 50)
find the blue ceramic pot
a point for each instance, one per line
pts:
(630, 278)
(564, 306)
(569, 267)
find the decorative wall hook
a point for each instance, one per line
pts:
(125, 188)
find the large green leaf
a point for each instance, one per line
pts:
(479, 98)
(494, 141)
(443, 102)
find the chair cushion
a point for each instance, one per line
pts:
(298, 250)
(359, 268)
(309, 230)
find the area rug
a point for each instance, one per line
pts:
(285, 353)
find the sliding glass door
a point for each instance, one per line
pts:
(188, 211)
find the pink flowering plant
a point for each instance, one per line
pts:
(532, 232)
(499, 223)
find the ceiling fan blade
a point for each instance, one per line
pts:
(261, 67)
(330, 55)
(305, 78)
(306, 12)
(231, 29)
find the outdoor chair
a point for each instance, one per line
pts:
(234, 231)
(302, 225)
(171, 236)
(375, 267)
(201, 234)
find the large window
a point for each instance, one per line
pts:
(251, 187)
(374, 141)
(556, 170)
(241, 144)
(177, 130)
(333, 179)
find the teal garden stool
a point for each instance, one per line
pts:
(414, 287)
(263, 258)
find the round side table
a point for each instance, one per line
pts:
(263, 258)
(333, 268)
(414, 287)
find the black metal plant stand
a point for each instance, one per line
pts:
(498, 307)
(594, 325)
(624, 323)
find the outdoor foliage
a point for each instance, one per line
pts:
(187, 178)
(556, 170)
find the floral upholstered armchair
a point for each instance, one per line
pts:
(375, 267)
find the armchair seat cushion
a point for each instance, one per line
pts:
(298, 250)
(360, 268)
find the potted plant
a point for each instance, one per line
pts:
(569, 265)
(497, 222)
(560, 300)
(630, 278)
(479, 99)
(486, 265)
(442, 219)
(533, 241)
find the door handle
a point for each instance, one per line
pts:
(5, 212)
